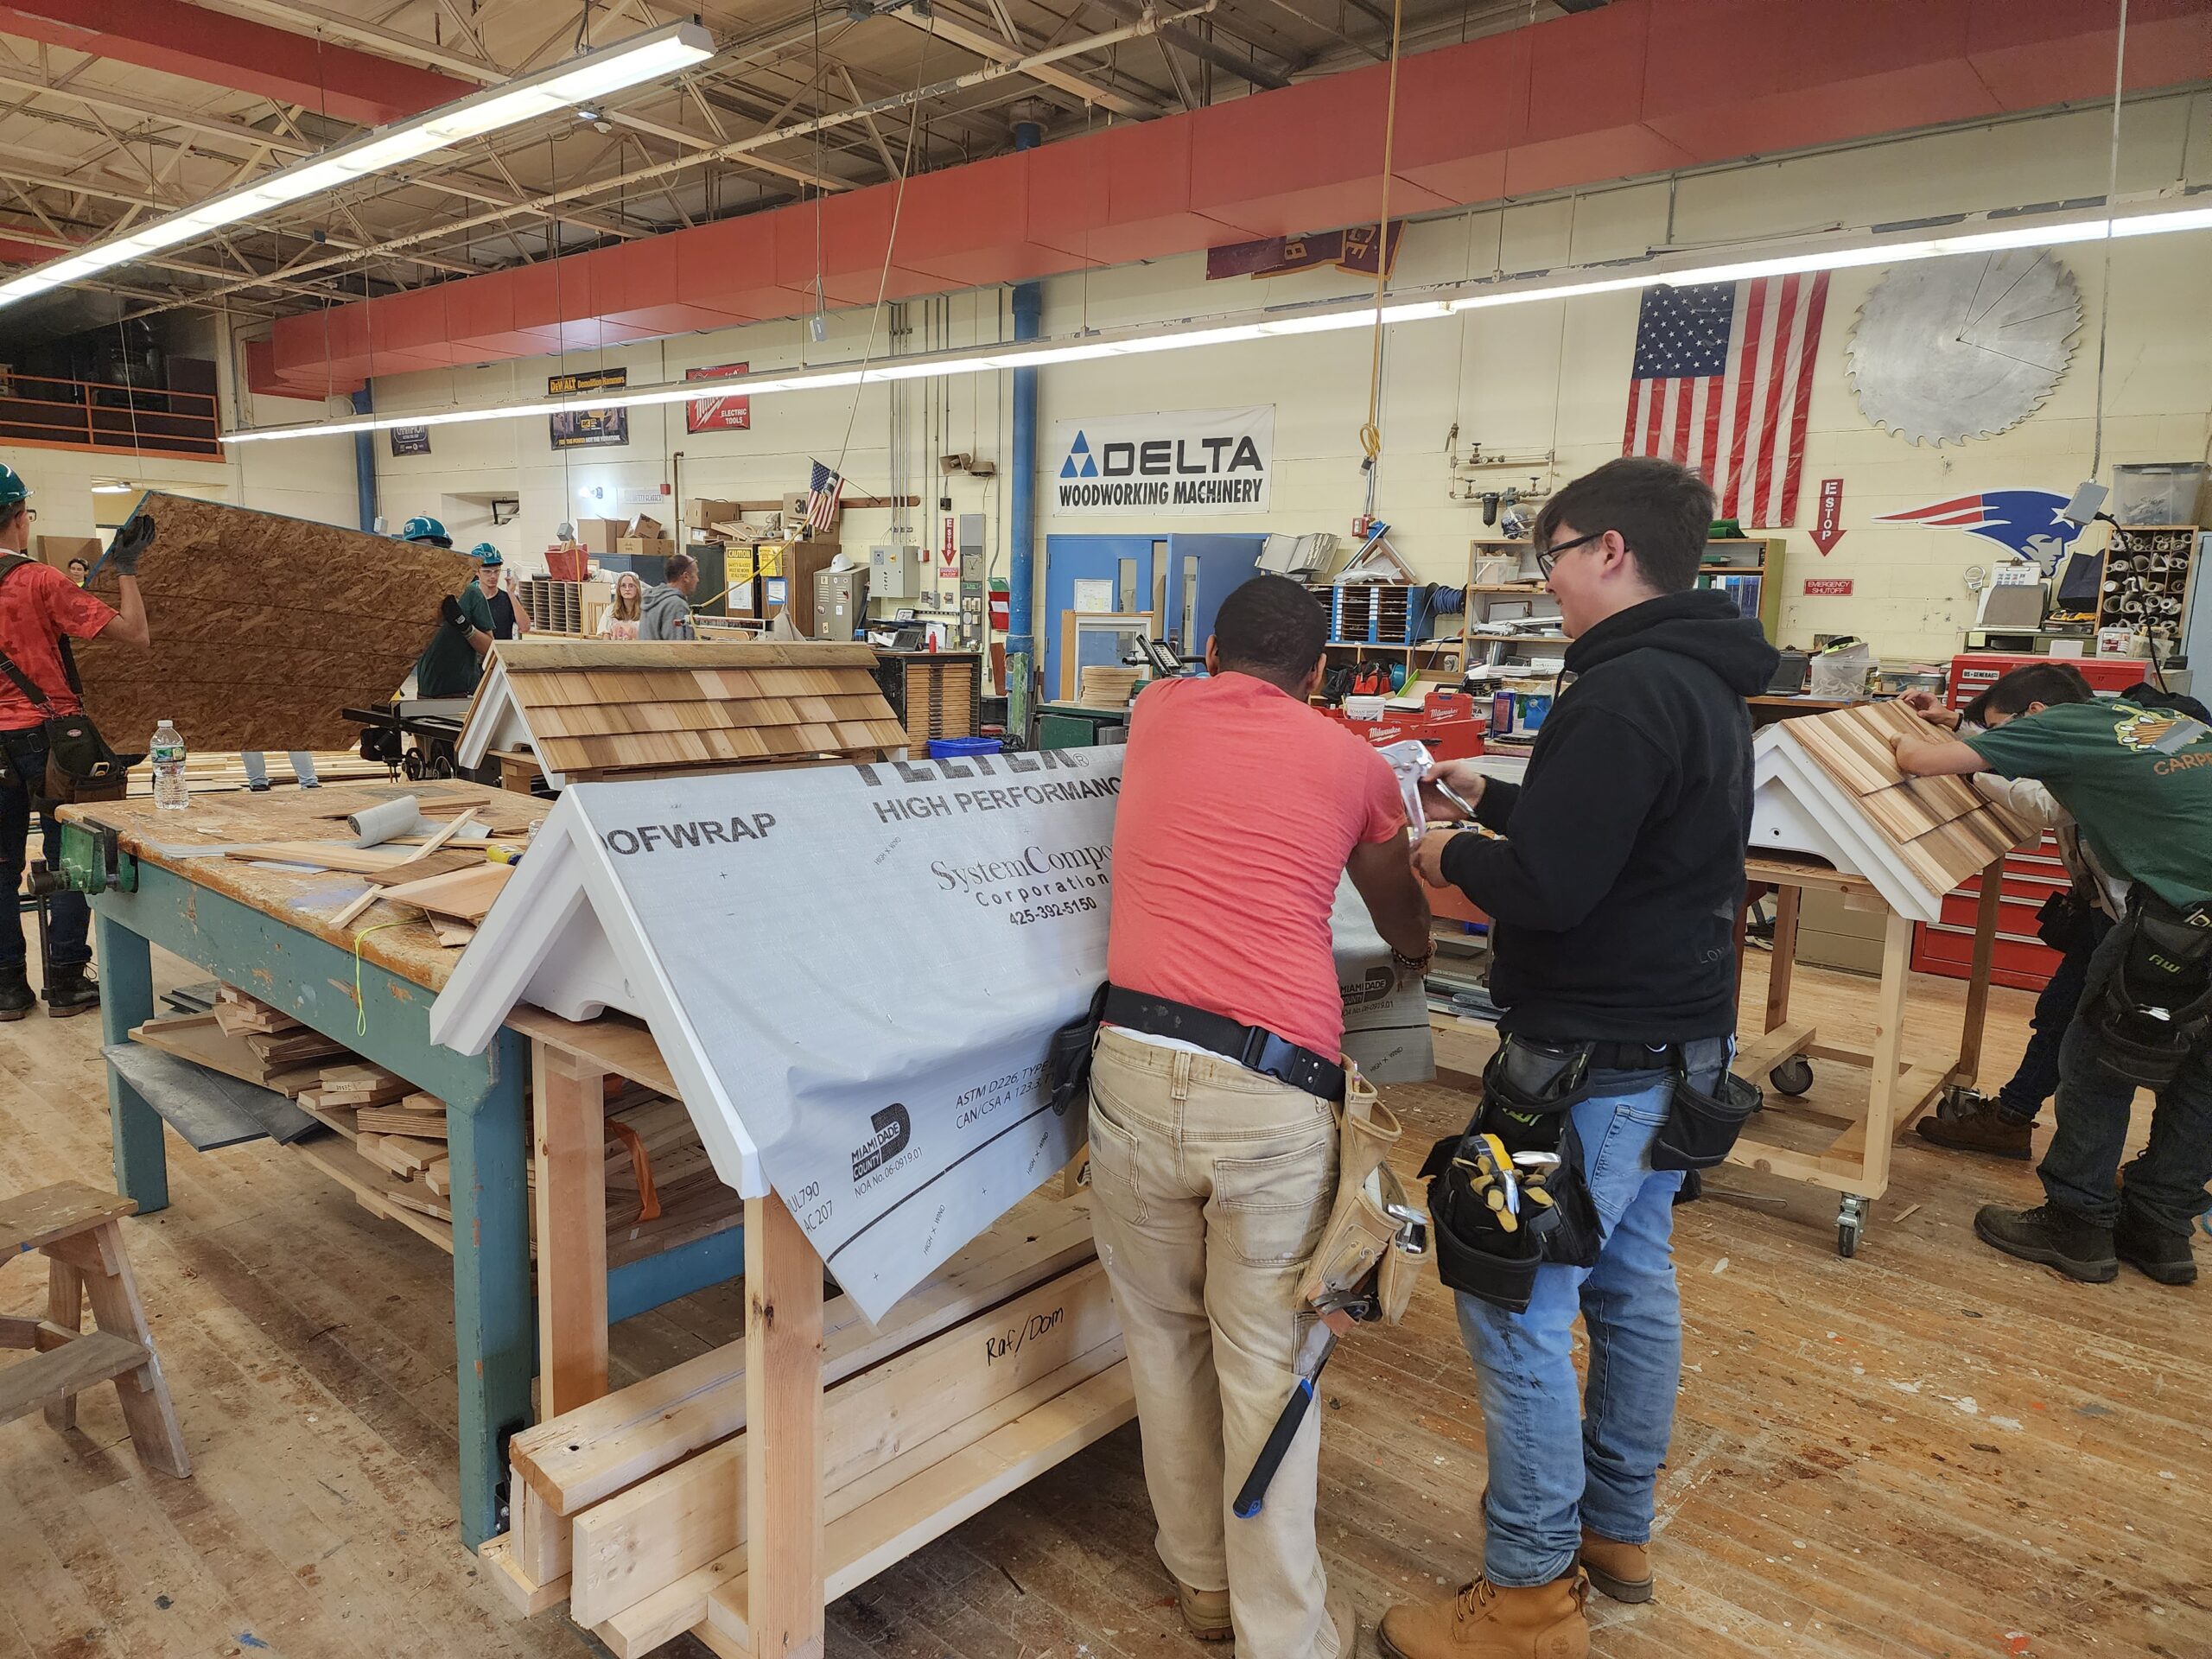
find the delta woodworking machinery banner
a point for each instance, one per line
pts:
(853, 974)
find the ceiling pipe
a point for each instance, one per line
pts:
(738, 146)
(1199, 46)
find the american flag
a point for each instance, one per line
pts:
(1723, 374)
(823, 493)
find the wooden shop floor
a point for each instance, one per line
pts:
(1929, 1450)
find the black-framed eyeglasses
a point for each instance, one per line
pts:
(1547, 557)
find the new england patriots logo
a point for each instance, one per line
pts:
(2026, 521)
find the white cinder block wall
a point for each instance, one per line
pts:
(1540, 377)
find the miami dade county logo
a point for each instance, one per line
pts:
(2026, 521)
(892, 1138)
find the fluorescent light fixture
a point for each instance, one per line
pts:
(650, 56)
(112, 486)
(1833, 252)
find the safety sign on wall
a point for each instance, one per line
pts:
(1184, 462)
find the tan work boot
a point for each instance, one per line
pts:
(1205, 1612)
(1490, 1620)
(1622, 1570)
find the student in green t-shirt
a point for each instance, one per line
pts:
(453, 662)
(2137, 780)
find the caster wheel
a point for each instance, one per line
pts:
(1849, 1224)
(1847, 1238)
(412, 764)
(1792, 1076)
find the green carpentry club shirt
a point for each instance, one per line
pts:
(450, 666)
(2138, 781)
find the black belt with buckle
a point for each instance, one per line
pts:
(1253, 1047)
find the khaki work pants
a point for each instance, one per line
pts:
(1210, 1187)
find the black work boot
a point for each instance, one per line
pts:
(16, 998)
(1982, 1126)
(71, 990)
(2158, 1252)
(2077, 1247)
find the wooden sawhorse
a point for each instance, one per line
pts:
(76, 1227)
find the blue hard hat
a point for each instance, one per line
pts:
(13, 491)
(425, 529)
(485, 553)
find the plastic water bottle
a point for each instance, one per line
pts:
(166, 752)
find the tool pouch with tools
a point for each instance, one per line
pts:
(1364, 1240)
(1711, 1106)
(1482, 1248)
(1067, 1057)
(2154, 1009)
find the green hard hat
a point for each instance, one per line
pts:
(485, 553)
(13, 491)
(425, 529)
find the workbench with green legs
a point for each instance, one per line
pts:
(266, 930)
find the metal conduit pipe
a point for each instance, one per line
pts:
(1021, 539)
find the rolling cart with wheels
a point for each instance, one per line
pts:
(1855, 1164)
(414, 738)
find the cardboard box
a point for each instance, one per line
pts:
(1833, 933)
(58, 550)
(795, 524)
(642, 547)
(599, 535)
(647, 527)
(703, 513)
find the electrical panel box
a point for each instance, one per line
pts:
(972, 572)
(840, 603)
(895, 572)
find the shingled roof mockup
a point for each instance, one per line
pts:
(1828, 784)
(599, 708)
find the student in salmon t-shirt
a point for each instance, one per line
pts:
(40, 605)
(1213, 1150)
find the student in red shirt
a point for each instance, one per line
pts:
(1215, 1086)
(38, 606)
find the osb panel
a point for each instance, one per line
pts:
(263, 627)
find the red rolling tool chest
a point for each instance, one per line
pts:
(1974, 672)
(2021, 960)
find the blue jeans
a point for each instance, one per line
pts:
(1557, 1465)
(2080, 1172)
(2036, 1079)
(72, 918)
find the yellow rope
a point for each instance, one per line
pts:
(360, 1005)
(1370, 435)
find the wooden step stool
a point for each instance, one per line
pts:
(76, 1229)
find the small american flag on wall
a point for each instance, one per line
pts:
(1723, 377)
(823, 491)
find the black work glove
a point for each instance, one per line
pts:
(449, 609)
(130, 544)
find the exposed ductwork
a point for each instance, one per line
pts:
(1636, 87)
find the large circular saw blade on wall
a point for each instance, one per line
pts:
(1951, 349)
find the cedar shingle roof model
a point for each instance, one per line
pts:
(609, 707)
(1828, 784)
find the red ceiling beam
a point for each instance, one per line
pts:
(246, 57)
(1636, 87)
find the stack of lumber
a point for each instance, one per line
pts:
(386, 1141)
(1106, 686)
(1943, 829)
(452, 883)
(630, 1508)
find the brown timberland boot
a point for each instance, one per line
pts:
(1205, 1612)
(1982, 1128)
(1489, 1621)
(1622, 1570)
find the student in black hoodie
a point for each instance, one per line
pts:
(1612, 875)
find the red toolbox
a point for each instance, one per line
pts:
(2019, 958)
(1974, 672)
(1451, 725)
